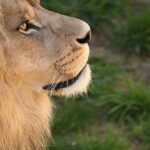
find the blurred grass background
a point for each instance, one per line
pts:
(115, 114)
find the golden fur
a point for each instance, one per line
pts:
(30, 60)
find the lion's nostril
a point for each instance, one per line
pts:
(86, 39)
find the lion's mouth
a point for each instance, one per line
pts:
(64, 84)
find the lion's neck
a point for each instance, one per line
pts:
(24, 119)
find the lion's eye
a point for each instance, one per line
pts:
(28, 27)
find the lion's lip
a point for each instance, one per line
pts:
(64, 84)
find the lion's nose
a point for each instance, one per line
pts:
(85, 39)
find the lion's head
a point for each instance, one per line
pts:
(43, 49)
(40, 51)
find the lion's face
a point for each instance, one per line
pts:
(43, 49)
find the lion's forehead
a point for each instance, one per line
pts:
(16, 6)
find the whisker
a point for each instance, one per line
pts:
(57, 77)
(52, 91)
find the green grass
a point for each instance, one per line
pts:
(141, 131)
(132, 35)
(130, 103)
(92, 142)
(76, 112)
(114, 115)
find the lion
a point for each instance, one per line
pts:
(42, 54)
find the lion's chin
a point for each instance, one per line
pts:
(78, 85)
